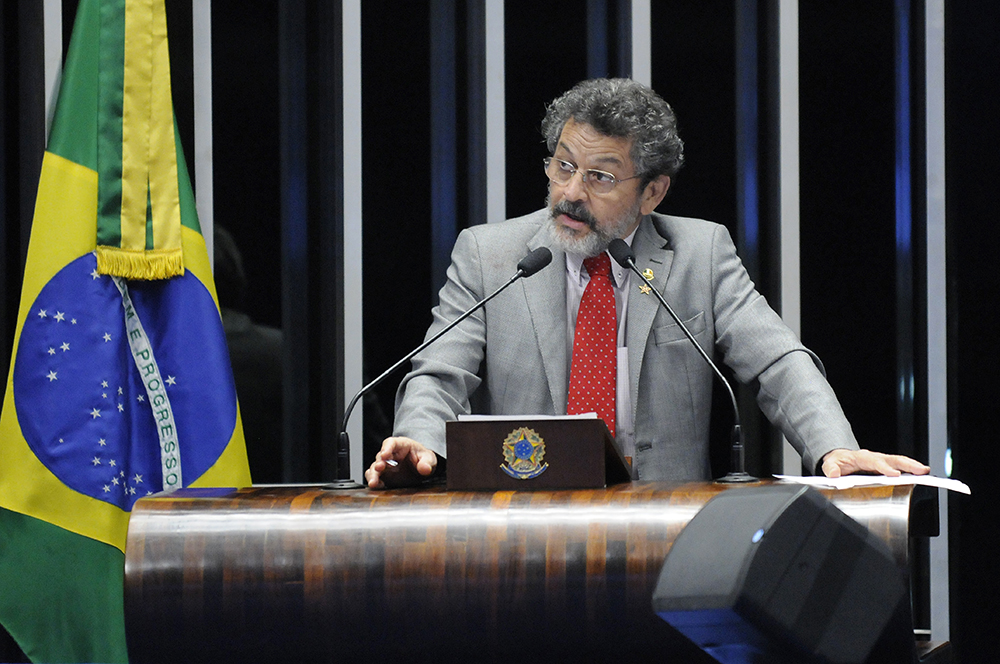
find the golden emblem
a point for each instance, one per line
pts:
(523, 450)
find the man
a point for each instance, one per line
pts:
(615, 149)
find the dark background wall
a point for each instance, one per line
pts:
(850, 279)
(848, 202)
(972, 136)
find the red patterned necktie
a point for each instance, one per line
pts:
(595, 347)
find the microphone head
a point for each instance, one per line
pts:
(534, 261)
(621, 252)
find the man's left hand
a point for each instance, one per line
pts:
(847, 462)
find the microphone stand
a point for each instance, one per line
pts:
(737, 473)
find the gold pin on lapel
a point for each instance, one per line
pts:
(644, 287)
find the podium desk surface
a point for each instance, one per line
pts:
(454, 573)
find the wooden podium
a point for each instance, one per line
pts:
(292, 573)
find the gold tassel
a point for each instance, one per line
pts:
(143, 265)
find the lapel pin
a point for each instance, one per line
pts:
(645, 289)
(648, 273)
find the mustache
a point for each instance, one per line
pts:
(577, 210)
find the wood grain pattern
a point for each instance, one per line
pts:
(306, 574)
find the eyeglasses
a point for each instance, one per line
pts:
(599, 182)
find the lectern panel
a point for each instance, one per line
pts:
(305, 574)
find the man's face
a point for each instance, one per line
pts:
(582, 221)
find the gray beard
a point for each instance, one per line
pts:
(594, 242)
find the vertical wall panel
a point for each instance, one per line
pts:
(247, 204)
(694, 68)
(598, 23)
(396, 195)
(937, 312)
(905, 341)
(31, 113)
(496, 110)
(788, 182)
(754, 167)
(640, 22)
(539, 63)
(201, 22)
(972, 139)
(476, 164)
(53, 57)
(245, 145)
(353, 266)
(847, 196)
(611, 33)
(294, 240)
(7, 317)
(312, 225)
(748, 165)
(326, 237)
(444, 138)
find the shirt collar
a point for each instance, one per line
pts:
(574, 264)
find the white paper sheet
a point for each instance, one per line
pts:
(850, 481)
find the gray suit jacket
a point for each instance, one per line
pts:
(513, 353)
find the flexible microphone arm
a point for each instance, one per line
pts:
(529, 265)
(623, 255)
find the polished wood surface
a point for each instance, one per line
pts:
(303, 573)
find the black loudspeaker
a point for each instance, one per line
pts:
(779, 574)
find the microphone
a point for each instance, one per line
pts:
(623, 255)
(527, 266)
(534, 261)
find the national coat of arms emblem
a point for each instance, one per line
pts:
(523, 450)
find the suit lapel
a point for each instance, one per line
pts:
(652, 252)
(545, 293)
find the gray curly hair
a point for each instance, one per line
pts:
(623, 108)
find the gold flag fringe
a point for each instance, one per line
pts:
(144, 265)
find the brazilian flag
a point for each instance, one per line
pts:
(120, 385)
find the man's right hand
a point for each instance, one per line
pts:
(413, 463)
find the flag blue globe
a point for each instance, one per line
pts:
(81, 402)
